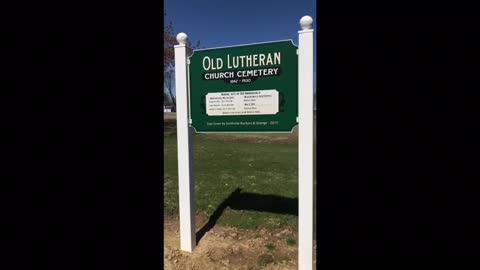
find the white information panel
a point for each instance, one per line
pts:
(242, 103)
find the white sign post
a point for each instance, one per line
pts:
(305, 144)
(262, 101)
(186, 186)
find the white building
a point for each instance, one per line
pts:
(168, 108)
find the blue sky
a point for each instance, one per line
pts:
(219, 23)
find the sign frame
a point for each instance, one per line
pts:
(233, 46)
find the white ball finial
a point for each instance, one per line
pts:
(306, 22)
(182, 38)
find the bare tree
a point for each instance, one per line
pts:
(166, 99)
(169, 41)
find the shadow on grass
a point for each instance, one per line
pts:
(239, 200)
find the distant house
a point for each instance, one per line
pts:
(168, 108)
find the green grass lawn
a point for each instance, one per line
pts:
(223, 165)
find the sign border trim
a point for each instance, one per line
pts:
(247, 44)
(188, 88)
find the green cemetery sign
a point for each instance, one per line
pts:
(248, 88)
